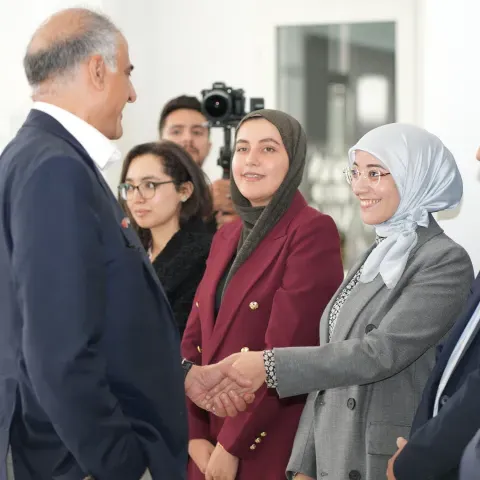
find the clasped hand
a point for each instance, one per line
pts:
(213, 461)
(228, 387)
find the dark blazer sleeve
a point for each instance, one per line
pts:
(58, 263)
(312, 275)
(436, 448)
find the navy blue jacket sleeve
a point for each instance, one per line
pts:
(59, 265)
(436, 448)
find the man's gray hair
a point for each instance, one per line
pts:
(98, 36)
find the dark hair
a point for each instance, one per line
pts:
(178, 103)
(180, 167)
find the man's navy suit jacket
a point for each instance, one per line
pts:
(436, 444)
(90, 374)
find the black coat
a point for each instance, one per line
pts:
(180, 267)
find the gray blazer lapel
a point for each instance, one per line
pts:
(356, 303)
(326, 312)
(361, 298)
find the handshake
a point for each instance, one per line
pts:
(228, 387)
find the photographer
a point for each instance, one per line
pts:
(183, 122)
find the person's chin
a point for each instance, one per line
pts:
(143, 223)
(114, 135)
(118, 132)
(251, 189)
(370, 218)
(367, 221)
(249, 193)
(199, 161)
(194, 154)
(257, 201)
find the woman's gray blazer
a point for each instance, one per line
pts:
(366, 383)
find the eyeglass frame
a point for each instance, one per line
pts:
(351, 181)
(137, 187)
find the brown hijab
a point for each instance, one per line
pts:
(258, 221)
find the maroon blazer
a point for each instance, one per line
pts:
(275, 299)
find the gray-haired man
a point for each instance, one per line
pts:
(91, 383)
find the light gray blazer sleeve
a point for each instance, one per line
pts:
(431, 294)
(303, 458)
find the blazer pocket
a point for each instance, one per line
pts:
(382, 437)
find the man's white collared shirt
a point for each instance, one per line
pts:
(102, 151)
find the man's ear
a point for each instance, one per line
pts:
(97, 71)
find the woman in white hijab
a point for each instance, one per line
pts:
(379, 332)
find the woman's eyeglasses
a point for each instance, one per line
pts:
(371, 175)
(146, 189)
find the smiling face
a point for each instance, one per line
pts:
(375, 188)
(188, 128)
(260, 161)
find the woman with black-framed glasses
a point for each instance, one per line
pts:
(167, 198)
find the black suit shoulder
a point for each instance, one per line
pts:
(32, 147)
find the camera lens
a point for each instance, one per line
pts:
(217, 105)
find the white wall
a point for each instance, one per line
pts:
(451, 102)
(139, 23)
(18, 21)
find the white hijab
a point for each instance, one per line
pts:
(428, 180)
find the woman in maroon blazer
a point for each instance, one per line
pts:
(267, 282)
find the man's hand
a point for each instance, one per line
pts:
(222, 465)
(401, 442)
(222, 202)
(222, 198)
(247, 365)
(200, 451)
(301, 476)
(201, 380)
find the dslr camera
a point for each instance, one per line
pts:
(224, 107)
